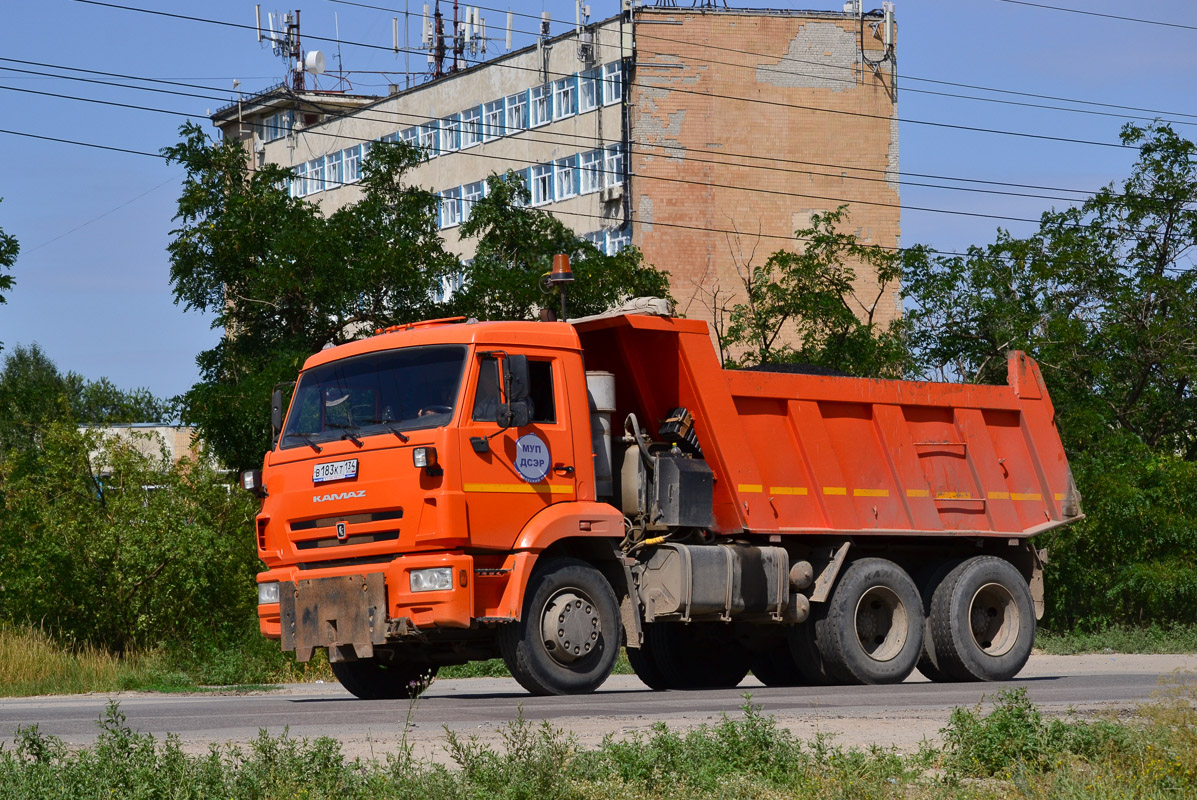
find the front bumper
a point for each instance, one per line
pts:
(361, 605)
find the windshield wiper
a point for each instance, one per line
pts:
(348, 434)
(386, 423)
(306, 438)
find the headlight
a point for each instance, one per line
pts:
(267, 593)
(432, 580)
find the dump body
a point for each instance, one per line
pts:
(795, 454)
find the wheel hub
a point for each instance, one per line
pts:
(993, 617)
(570, 627)
(881, 623)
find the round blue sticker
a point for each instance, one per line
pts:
(531, 458)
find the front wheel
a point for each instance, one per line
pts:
(567, 639)
(372, 679)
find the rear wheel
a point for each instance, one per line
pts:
(873, 632)
(982, 621)
(697, 655)
(776, 667)
(804, 648)
(371, 679)
(567, 639)
(928, 659)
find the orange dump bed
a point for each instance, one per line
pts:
(807, 454)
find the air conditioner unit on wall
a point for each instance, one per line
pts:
(609, 194)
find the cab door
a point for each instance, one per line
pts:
(509, 475)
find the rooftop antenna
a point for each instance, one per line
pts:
(584, 33)
(510, 16)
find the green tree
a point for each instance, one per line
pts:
(515, 249)
(283, 280)
(110, 543)
(808, 306)
(1103, 295)
(9, 248)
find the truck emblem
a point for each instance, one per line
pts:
(341, 531)
(531, 458)
(324, 498)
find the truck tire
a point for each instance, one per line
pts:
(928, 583)
(644, 665)
(804, 648)
(567, 639)
(982, 621)
(776, 667)
(371, 679)
(696, 655)
(873, 632)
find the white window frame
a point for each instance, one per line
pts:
(540, 105)
(332, 170)
(516, 118)
(351, 160)
(590, 172)
(471, 127)
(540, 184)
(426, 139)
(450, 138)
(492, 120)
(451, 208)
(565, 95)
(618, 239)
(410, 135)
(612, 82)
(588, 90)
(613, 165)
(565, 176)
(471, 193)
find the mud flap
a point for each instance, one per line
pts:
(346, 614)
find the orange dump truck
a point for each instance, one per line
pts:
(547, 492)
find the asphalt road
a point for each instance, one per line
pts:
(890, 715)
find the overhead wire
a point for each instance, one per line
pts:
(1100, 14)
(675, 89)
(339, 113)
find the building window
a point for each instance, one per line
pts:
(492, 120)
(517, 112)
(541, 100)
(590, 169)
(276, 126)
(526, 180)
(588, 90)
(470, 194)
(411, 135)
(450, 131)
(612, 83)
(471, 127)
(613, 168)
(351, 160)
(618, 240)
(566, 175)
(565, 97)
(427, 139)
(451, 208)
(332, 170)
(541, 185)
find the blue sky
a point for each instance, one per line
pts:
(93, 276)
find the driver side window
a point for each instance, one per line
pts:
(540, 395)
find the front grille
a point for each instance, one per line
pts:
(348, 562)
(352, 519)
(357, 538)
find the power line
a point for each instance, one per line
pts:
(592, 140)
(791, 59)
(106, 213)
(712, 95)
(1098, 14)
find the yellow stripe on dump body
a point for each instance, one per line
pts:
(750, 487)
(793, 490)
(870, 492)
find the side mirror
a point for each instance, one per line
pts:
(276, 415)
(515, 414)
(515, 378)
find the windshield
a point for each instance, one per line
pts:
(382, 392)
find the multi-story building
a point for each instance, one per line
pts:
(704, 136)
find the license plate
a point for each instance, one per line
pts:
(334, 471)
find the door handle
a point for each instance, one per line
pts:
(562, 469)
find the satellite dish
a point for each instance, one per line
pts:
(314, 62)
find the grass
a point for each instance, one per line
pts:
(1011, 752)
(1120, 639)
